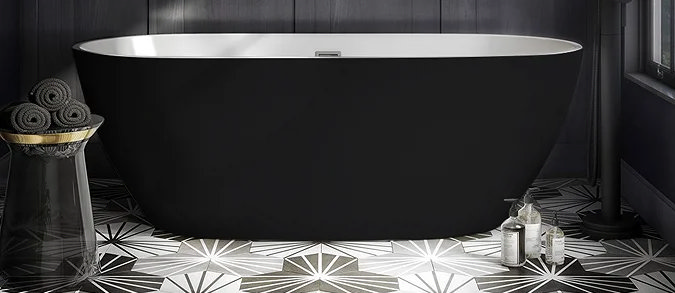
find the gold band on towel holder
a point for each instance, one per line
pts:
(50, 138)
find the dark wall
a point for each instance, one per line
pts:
(50, 27)
(9, 50)
(9, 55)
(648, 136)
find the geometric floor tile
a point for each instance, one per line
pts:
(557, 183)
(489, 246)
(440, 255)
(107, 189)
(581, 248)
(319, 272)
(472, 236)
(564, 218)
(577, 199)
(116, 276)
(537, 276)
(136, 257)
(132, 240)
(120, 210)
(574, 199)
(202, 282)
(437, 282)
(170, 236)
(631, 257)
(230, 257)
(655, 282)
(356, 249)
(575, 231)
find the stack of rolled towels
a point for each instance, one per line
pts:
(50, 106)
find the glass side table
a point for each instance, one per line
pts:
(48, 226)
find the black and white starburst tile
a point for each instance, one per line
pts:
(488, 246)
(116, 276)
(649, 232)
(133, 240)
(170, 236)
(112, 275)
(441, 255)
(581, 248)
(574, 230)
(631, 257)
(573, 199)
(577, 199)
(476, 236)
(120, 210)
(42, 283)
(437, 282)
(99, 203)
(565, 218)
(319, 272)
(108, 188)
(357, 249)
(656, 282)
(202, 282)
(222, 256)
(537, 276)
(558, 183)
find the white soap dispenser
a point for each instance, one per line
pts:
(531, 218)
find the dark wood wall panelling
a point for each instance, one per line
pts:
(9, 50)
(211, 16)
(51, 27)
(9, 56)
(378, 16)
(46, 43)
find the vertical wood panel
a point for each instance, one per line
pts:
(9, 51)
(56, 28)
(105, 18)
(165, 16)
(529, 17)
(28, 45)
(313, 16)
(377, 16)
(94, 19)
(238, 16)
(62, 23)
(458, 16)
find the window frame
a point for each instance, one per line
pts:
(651, 68)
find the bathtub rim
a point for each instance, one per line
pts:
(576, 46)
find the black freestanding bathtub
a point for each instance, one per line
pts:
(328, 136)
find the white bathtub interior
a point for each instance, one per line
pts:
(349, 45)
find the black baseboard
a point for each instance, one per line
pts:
(652, 205)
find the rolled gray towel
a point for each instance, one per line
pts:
(73, 114)
(51, 94)
(25, 117)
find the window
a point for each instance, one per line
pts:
(659, 53)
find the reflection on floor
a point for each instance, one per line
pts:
(136, 257)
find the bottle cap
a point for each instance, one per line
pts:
(555, 219)
(528, 198)
(513, 212)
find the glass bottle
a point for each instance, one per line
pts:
(531, 218)
(555, 243)
(513, 240)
